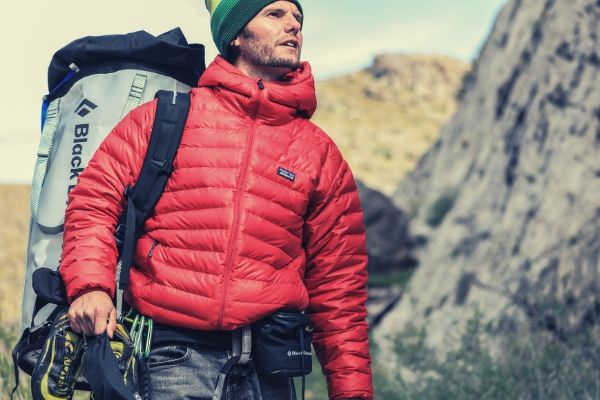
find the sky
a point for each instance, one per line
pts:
(340, 36)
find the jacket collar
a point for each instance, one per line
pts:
(277, 103)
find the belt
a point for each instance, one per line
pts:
(165, 334)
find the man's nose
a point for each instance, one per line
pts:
(292, 24)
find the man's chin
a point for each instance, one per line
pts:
(291, 64)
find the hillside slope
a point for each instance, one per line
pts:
(385, 117)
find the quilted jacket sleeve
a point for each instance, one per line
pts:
(89, 253)
(336, 278)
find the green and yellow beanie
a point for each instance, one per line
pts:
(229, 17)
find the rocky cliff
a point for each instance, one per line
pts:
(509, 195)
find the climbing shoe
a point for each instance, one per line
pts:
(123, 348)
(56, 371)
(110, 366)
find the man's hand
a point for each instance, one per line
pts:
(93, 313)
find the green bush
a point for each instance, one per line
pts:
(438, 210)
(534, 367)
(398, 278)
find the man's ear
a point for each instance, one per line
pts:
(235, 42)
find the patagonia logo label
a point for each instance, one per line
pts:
(286, 174)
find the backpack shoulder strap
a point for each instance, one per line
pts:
(171, 115)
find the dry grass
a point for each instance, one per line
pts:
(14, 214)
(384, 118)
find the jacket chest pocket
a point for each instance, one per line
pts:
(294, 187)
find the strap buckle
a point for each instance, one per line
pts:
(161, 165)
(241, 344)
(119, 234)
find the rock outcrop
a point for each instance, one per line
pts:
(388, 238)
(509, 195)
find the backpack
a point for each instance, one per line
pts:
(94, 82)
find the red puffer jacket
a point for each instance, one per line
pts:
(261, 213)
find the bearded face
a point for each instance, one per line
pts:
(266, 53)
(272, 39)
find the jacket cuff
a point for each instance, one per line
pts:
(87, 288)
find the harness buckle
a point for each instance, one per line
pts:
(241, 344)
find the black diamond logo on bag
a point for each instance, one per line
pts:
(85, 107)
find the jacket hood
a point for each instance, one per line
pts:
(277, 103)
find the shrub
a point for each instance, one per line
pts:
(533, 367)
(438, 210)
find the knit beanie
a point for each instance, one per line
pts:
(229, 17)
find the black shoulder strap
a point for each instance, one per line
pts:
(171, 114)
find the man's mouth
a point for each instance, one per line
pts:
(290, 43)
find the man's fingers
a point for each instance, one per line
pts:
(74, 324)
(84, 324)
(78, 322)
(100, 322)
(112, 323)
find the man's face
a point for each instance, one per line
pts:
(272, 39)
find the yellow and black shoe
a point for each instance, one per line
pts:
(59, 364)
(124, 351)
(110, 366)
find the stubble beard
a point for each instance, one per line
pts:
(261, 54)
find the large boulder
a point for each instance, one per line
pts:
(388, 239)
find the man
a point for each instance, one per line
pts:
(261, 213)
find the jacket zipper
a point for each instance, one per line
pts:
(236, 210)
(154, 244)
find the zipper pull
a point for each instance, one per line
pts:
(154, 244)
(260, 84)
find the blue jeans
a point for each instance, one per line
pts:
(183, 372)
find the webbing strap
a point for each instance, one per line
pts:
(241, 343)
(15, 357)
(136, 93)
(119, 293)
(301, 336)
(44, 149)
(126, 255)
(47, 98)
(218, 393)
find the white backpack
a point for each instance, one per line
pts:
(94, 82)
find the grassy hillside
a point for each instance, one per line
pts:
(385, 117)
(14, 214)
